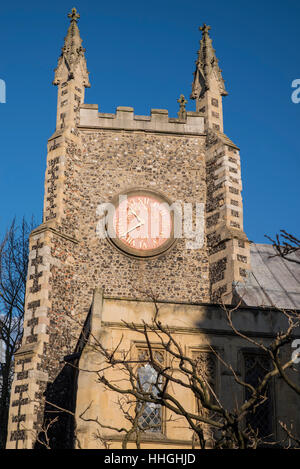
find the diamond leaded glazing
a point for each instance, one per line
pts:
(149, 381)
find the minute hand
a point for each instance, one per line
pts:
(131, 229)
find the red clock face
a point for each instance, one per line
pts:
(142, 223)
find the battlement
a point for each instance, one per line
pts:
(124, 119)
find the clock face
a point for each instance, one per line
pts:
(143, 224)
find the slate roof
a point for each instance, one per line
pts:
(273, 281)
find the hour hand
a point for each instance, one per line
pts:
(136, 216)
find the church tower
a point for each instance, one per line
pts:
(94, 159)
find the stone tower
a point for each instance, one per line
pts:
(92, 158)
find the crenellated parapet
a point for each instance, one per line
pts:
(125, 119)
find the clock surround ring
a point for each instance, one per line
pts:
(137, 253)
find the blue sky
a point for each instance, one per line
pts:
(142, 54)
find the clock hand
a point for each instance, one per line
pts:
(137, 217)
(131, 229)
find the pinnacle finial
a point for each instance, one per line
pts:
(74, 15)
(205, 28)
(207, 68)
(71, 62)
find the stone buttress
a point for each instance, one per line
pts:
(228, 246)
(48, 333)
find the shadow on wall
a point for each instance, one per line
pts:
(62, 394)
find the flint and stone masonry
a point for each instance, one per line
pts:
(92, 157)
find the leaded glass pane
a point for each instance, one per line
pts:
(150, 418)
